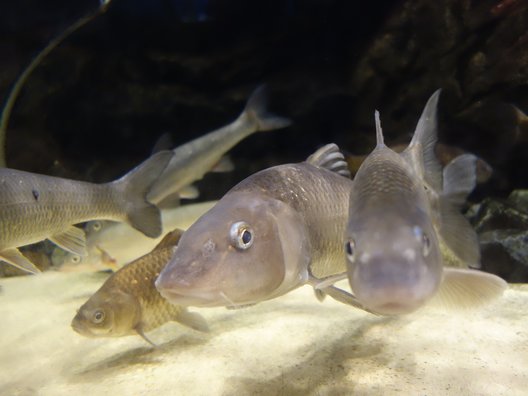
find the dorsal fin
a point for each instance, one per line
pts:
(329, 157)
(170, 239)
(379, 131)
(425, 136)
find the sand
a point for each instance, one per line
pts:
(293, 345)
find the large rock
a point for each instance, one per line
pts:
(503, 233)
(293, 345)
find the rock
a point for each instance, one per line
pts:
(503, 234)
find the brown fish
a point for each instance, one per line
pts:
(128, 303)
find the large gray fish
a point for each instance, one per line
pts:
(111, 244)
(128, 303)
(36, 207)
(273, 232)
(197, 157)
(400, 213)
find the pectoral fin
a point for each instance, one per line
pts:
(224, 165)
(324, 286)
(466, 288)
(72, 239)
(344, 297)
(139, 331)
(17, 259)
(189, 192)
(193, 320)
(457, 234)
(322, 283)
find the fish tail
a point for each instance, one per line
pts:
(459, 178)
(257, 113)
(141, 214)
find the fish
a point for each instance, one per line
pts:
(128, 303)
(36, 207)
(112, 244)
(276, 230)
(192, 160)
(402, 209)
(444, 153)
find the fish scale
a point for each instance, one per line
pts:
(35, 207)
(21, 211)
(138, 279)
(321, 196)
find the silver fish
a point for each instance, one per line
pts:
(197, 157)
(113, 244)
(400, 213)
(273, 232)
(37, 207)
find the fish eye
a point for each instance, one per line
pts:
(241, 235)
(424, 239)
(426, 242)
(96, 225)
(98, 316)
(75, 259)
(350, 247)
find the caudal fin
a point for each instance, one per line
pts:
(141, 214)
(455, 230)
(257, 113)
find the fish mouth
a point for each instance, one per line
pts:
(80, 329)
(395, 308)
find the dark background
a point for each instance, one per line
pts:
(96, 105)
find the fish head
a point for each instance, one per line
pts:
(107, 314)
(393, 262)
(63, 259)
(236, 254)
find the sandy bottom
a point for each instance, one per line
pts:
(293, 345)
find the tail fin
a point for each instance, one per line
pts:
(459, 177)
(257, 113)
(141, 214)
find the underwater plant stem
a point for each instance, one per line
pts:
(17, 87)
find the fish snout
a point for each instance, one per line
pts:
(392, 287)
(179, 291)
(78, 327)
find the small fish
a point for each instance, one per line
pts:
(37, 207)
(197, 157)
(112, 244)
(400, 213)
(128, 303)
(276, 230)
